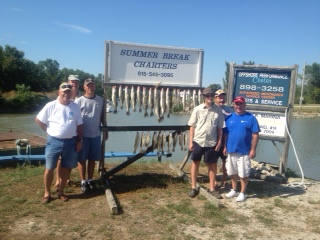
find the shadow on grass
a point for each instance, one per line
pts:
(129, 183)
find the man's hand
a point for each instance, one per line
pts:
(78, 146)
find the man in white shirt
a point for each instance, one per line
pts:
(61, 120)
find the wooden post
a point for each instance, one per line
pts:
(284, 157)
(110, 198)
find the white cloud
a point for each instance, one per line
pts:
(75, 28)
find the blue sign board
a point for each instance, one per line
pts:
(263, 87)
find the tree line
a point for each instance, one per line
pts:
(28, 79)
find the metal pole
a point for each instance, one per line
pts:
(105, 97)
(302, 83)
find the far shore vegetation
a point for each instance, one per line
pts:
(26, 86)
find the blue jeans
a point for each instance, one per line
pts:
(66, 148)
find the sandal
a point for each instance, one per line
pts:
(46, 200)
(63, 197)
(56, 188)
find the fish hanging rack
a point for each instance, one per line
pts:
(159, 86)
(106, 174)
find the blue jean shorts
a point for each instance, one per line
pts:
(209, 153)
(66, 148)
(91, 149)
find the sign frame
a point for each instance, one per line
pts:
(144, 64)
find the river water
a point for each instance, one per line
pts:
(305, 134)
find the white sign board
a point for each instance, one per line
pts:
(151, 64)
(271, 124)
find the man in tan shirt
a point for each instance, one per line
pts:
(205, 135)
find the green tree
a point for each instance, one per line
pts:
(214, 87)
(11, 68)
(226, 78)
(49, 69)
(312, 83)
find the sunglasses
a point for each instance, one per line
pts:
(66, 86)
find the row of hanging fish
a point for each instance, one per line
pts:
(154, 101)
(161, 141)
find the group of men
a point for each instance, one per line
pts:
(72, 123)
(217, 130)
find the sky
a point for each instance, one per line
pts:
(273, 32)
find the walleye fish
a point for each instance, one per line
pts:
(185, 140)
(194, 98)
(147, 140)
(121, 97)
(168, 102)
(181, 140)
(145, 101)
(142, 142)
(174, 141)
(133, 98)
(199, 97)
(154, 140)
(136, 143)
(114, 98)
(164, 141)
(151, 101)
(127, 99)
(159, 142)
(169, 142)
(184, 95)
(162, 103)
(173, 99)
(188, 101)
(178, 99)
(139, 98)
(157, 104)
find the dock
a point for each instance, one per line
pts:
(8, 145)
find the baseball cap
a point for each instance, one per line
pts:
(239, 99)
(87, 81)
(73, 77)
(65, 86)
(219, 92)
(207, 91)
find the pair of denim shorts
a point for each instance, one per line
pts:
(91, 149)
(66, 148)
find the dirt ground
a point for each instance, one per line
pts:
(153, 204)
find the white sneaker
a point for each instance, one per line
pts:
(231, 194)
(241, 197)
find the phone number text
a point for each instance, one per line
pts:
(154, 74)
(262, 88)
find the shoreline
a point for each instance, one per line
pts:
(305, 115)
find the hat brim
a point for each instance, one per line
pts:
(238, 101)
(88, 83)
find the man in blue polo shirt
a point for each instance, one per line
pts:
(241, 140)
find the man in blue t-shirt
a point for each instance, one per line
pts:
(241, 140)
